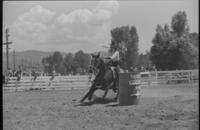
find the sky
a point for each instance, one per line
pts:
(69, 26)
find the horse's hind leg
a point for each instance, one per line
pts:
(115, 99)
(88, 93)
(106, 90)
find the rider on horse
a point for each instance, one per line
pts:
(106, 76)
(114, 58)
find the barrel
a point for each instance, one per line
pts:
(129, 89)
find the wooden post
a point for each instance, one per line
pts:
(149, 82)
(191, 78)
(16, 85)
(7, 48)
(14, 55)
(170, 78)
(156, 77)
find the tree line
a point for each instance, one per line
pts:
(174, 47)
(69, 64)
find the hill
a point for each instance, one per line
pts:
(29, 57)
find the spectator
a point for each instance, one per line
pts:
(34, 75)
(19, 73)
(9, 72)
(53, 73)
(135, 69)
(142, 68)
(14, 73)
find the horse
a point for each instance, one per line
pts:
(104, 78)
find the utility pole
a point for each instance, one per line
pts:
(14, 56)
(7, 48)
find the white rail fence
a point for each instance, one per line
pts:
(44, 82)
(83, 82)
(170, 77)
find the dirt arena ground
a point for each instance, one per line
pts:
(159, 108)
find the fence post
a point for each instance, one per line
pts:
(16, 85)
(156, 77)
(191, 78)
(170, 77)
(149, 82)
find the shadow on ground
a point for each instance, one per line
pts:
(98, 101)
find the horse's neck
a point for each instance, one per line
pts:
(102, 70)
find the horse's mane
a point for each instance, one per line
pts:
(102, 71)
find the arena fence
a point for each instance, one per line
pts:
(170, 77)
(151, 78)
(45, 82)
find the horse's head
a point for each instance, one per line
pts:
(96, 61)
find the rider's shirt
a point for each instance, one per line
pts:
(115, 56)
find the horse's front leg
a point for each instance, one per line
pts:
(85, 96)
(88, 93)
(91, 93)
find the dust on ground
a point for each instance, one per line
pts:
(159, 108)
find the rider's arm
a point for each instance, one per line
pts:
(115, 55)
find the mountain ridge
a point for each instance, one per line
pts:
(29, 57)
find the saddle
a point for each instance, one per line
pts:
(116, 77)
(112, 65)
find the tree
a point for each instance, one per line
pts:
(61, 68)
(53, 62)
(174, 49)
(78, 62)
(144, 60)
(48, 64)
(57, 60)
(179, 23)
(160, 54)
(194, 39)
(68, 63)
(127, 39)
(81, 61)
(82, 58)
